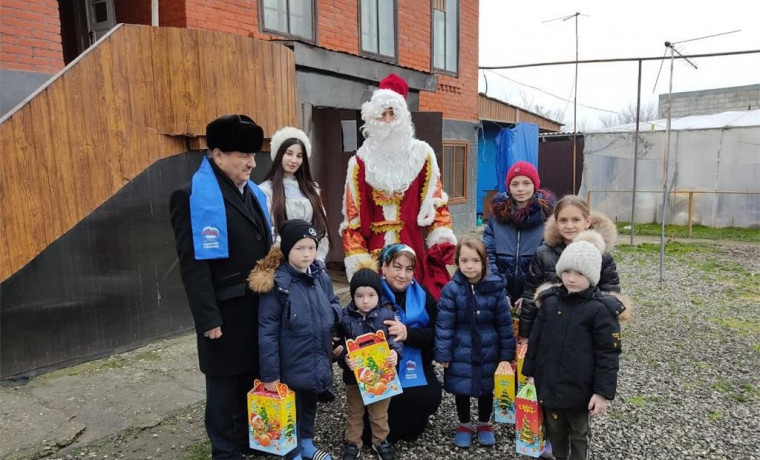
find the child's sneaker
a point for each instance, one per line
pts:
(463, 436)
(485, 435)
(384, 450)
(547, 453)
(351, 451)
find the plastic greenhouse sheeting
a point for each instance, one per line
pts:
(717, 154)
(515, 144)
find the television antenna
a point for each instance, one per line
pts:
(575, 89)
(673, 51)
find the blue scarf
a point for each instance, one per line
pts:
(411, 373)
(208, 217)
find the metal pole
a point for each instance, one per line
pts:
(575, 109)
(597, 61)
(691, 209)
(665, 166)
(154, 13)
(636, 155)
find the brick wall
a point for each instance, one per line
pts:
(171, 13)
(414, 34)
(30, 36)
(457, 97)
(338, 30)
(232, 16)
(338, 25)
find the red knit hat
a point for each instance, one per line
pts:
(395, 83)
(523, 168)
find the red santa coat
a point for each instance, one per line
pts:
(418, 217)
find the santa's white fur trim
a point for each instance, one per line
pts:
(440, 235)
(429, 205)
(352, 263)
(350, 187)
(286, 133)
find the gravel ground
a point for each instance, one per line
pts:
(688, 385)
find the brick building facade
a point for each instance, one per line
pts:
(432, 44)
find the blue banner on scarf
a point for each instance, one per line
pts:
(411, 372)
(208, 217)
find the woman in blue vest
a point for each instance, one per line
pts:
(416, 311)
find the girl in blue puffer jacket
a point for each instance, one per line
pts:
(298, 315)
(473, 333)
(515, 229)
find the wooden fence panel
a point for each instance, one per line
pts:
(138, 96)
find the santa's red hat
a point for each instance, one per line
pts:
(395, 83)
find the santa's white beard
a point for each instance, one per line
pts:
(390, 160)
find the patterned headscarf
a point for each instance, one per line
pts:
(390, 251)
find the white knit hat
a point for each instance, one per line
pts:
(286, 133)
(583, 255)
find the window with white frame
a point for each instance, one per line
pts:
(288, 17)
(378, 27)
(446, 35)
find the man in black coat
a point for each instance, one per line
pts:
(222, 229)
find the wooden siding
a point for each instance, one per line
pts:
(139, 95)
(495, 110)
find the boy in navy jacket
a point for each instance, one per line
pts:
(298, 313)
(365, 315)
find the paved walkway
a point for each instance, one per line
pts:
(74, 406)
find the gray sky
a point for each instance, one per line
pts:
(514, 33)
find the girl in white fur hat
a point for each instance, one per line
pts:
(574, 347)
(290, 188)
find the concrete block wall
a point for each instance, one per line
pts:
(717, 100)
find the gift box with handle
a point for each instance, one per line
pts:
(522, 348)
(376, 379)
(504, 393)
(272, 419)
(529, 424)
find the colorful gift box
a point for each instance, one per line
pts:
(529, 424)
(376, 379)
(504, 393)
(515, 322)
(522, 348)
(272, 419)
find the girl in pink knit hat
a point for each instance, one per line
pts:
(516, 226)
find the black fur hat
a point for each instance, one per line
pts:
(231, 133)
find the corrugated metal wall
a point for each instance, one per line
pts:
(555, 165)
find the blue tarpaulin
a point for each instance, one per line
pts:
(512, 145)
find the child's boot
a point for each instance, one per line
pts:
(485, 435)
(463, 435)
(384, 450)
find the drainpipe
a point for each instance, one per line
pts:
(154, 13)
